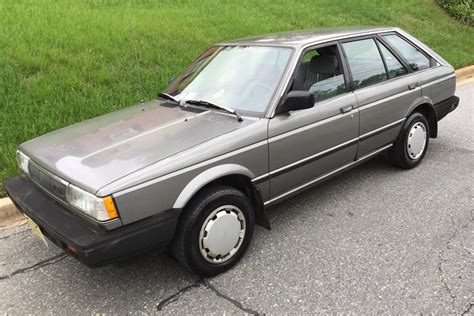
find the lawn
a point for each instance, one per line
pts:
(66, 61)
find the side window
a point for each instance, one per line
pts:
(320, 72)
(365, 62)
(394, 67)
(415, 58)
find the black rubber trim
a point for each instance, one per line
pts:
(317, 157)
(444, 107)
(95, 246)
(303, 163)
(365, 137)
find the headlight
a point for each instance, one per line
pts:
(101, 209)
(23, 161)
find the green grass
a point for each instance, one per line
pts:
(463, 10)
(66, 61)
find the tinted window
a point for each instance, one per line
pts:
(365, 62)
(394, 67)
(415, 58)
(320, 72)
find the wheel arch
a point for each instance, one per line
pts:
(425, 107)
(232, 175)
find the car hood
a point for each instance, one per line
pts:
(101, 150)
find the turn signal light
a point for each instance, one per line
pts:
(110, 207)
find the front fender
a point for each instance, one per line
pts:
(207, 177)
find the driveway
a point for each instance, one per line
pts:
(375, 239)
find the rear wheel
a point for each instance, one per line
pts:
(214, 230)
(412, 143)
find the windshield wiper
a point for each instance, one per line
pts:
(214, 106)
(168, 97)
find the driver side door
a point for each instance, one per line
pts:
(308, 144)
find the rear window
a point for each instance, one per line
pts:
(413, 55)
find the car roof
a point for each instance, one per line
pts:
(303, 37)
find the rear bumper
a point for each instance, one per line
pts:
(444, 107)
(94, 245)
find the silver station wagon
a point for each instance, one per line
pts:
(249, 123)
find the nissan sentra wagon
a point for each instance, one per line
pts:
(248, 124)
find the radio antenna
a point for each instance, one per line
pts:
(137, 68)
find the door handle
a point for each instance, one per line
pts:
(412, 86)
(346, 109)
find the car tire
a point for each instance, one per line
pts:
(412, 142)
(214, 230)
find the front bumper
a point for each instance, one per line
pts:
(94, 245)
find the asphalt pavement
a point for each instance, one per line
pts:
(375, 239)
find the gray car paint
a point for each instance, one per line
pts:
(94, 153)
(154, 168)
(244, 149)
(302, 134)
(381, 105)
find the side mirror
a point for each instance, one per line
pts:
(296, 100)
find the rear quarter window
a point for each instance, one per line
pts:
(394, 67)
(416, 59)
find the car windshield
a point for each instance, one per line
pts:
(243, 78)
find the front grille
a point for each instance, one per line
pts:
(48, 182)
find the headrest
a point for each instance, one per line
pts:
(323, 64)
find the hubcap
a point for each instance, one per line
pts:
(222, 234)
(416, 141)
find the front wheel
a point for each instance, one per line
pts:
(412, 143)
(214, 230)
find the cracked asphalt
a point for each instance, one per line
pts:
(375, 239)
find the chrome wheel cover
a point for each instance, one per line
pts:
(416, 141)
(222, 234)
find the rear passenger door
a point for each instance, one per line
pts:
(384, 87)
